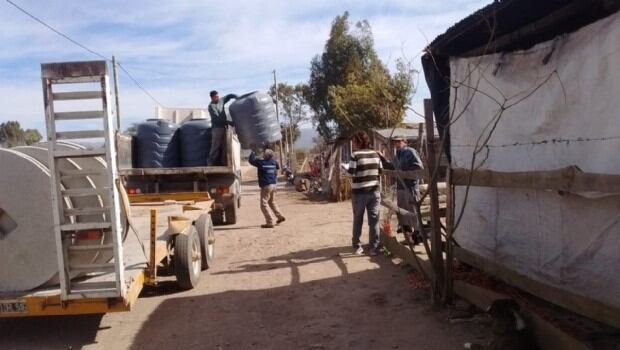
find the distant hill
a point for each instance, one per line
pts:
(306, 139)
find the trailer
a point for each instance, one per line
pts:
(132, 236)
(163, 227)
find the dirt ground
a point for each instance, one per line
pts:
(293, 287)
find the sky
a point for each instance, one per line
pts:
(180, 50)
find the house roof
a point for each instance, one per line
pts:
(408, 133)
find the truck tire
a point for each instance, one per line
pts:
(231, 214)
(204, 226)
(187, 259)
(217, 216)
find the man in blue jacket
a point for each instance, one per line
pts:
(407, 190)
(267, 179)
(219, 125)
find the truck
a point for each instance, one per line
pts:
(223, 183)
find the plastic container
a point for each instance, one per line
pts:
(195, 138)
(254, 116)
(157, 144)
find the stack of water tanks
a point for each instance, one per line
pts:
(160, 143)
(157, 144)
(195, 135)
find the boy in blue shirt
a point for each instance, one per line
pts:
(267, 179)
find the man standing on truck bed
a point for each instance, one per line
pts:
(267, 179)
(219, 125)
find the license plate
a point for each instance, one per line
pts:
(13, 306)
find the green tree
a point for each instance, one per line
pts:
(294, 107)
(32, 136)
(350, 88)
(12, 134)
(286, 129)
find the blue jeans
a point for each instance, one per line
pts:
(370, 203)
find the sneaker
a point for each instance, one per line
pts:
(417, 237)
(267, 226)
(359, 251)
(280, 220)
(373, 252)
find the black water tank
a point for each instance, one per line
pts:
(157, 144)
(195, 137)
(254, 115)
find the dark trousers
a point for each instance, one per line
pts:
(370, 203)
(217, 155)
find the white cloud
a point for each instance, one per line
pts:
(179, 50)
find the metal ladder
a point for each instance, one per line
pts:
(69, 223)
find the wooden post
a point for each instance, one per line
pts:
(448, 292)
(152, 267)
(436, 251)
(338, 174)
(420, 137)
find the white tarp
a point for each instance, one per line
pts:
(562, 108)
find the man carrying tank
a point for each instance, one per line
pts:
(219, 125)
(267, 179)
(407, 190)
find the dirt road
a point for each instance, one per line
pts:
(293, 287)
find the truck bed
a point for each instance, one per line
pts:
(203, 170)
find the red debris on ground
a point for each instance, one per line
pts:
(462, 272)
(418, 281)
(386, 226)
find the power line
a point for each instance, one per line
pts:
(84, 47)
(138, 84)
(55, 30)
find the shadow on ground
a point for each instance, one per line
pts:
(331, 313)
(53, 332)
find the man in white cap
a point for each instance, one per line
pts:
(407, 190)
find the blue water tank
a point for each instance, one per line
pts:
(254, 116)
(157, 144)
(195, 137)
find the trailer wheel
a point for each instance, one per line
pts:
(231, 214)
(204, 226)
(187, 259)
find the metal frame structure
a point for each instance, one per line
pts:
(67, 222)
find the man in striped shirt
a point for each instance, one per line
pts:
(365, 168)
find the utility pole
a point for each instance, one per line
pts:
(118, 108)
(292, 157)
(275, 85)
